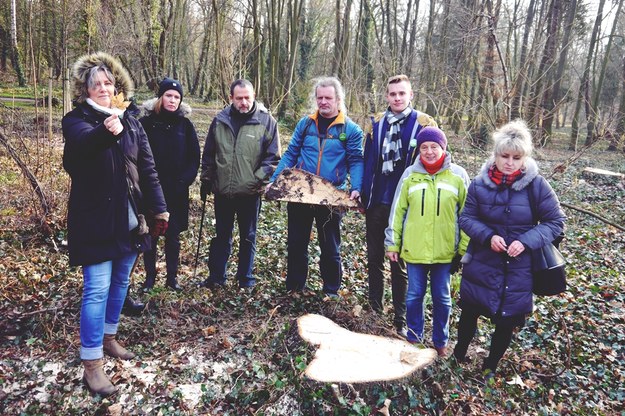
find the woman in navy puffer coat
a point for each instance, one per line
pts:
(499, 219)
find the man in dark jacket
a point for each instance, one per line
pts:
(389, 150)
(241, 152)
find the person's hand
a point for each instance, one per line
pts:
(158, 227)
(498, 244)
(515, 248)
(392, 255)
(456, 265)
(268, 187)
(355, 195)
(205, 189)
(113, 124)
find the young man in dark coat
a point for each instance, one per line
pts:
(389, 150)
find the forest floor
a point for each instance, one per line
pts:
(233, 352)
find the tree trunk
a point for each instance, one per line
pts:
(15, 52)
(583, 96)
(592, 133)
(517, 88)
(539, 92)
(552, 103)
(619, 136)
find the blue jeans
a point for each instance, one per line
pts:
(104, 290)
(328, 224)
(441, 301)
(246, 209)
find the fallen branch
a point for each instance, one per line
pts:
(564, 165)
(592, 214)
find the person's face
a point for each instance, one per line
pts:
(243, 98)
(509, 162)
(431, 152)
(327, 102)
(171, 100)
(103, 90)
(398, 95)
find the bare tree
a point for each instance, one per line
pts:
(583, 96)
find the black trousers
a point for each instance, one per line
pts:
(499, 343)
(377, 221)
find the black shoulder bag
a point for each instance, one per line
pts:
(548, 264)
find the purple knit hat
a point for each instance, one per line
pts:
(432, 134)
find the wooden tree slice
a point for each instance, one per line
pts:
(296, 185)
(349, 357)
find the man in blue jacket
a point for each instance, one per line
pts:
(389, 150)
(328, 144)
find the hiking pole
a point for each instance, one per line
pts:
(199, 239)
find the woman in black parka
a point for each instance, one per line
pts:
(114, 185)
(500, 218)
(176, 153)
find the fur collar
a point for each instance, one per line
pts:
(80, 72)
(530, 171)
(148, 107)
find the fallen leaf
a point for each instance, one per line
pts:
(209, 330)
(385, 409)
(115, 409)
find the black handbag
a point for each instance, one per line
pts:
(548, 264)
(548, 271)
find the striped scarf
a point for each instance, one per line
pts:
(391, 147)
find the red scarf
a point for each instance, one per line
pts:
(500, 178)
(432, 168)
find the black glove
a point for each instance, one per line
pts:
(205, 189)
(456, 266)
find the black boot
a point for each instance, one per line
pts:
(132, 307)
(172, 283)
(149, 283)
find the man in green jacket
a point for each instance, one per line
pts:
(241, 152)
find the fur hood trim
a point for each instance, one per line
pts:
(80, 72)
(530, 171)
(148, 107)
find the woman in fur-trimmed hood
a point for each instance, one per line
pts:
(82, 71)
(114, 185)
(497, 275)
(176, 151)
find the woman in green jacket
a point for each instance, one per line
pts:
(423, 230)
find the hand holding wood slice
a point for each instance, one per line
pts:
(349, 357)
(296, 185)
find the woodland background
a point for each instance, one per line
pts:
(474, 64)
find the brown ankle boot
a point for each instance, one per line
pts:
(96, 380)
(114, 349)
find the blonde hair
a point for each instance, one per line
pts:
(513, 137)
(396, 79)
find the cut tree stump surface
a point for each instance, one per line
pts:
(296, 185)
(350, 357)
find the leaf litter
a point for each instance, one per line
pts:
(236, 352)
